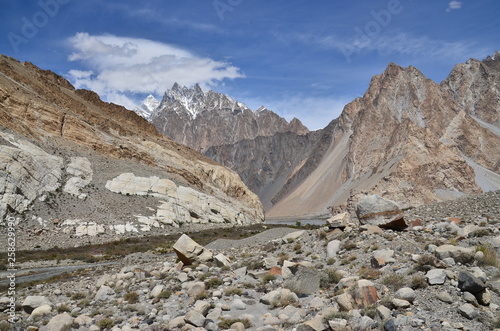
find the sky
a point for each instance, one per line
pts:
(300, 59)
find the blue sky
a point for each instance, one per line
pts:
(300, 59)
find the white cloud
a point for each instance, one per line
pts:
(454, 5)
(400, 43)
(119, 67)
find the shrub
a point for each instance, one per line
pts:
(369, 273)
(394, 281)
(226, 323)
(338, 315)
(78, 296)
(213, 283)
(63, 309)
(131, 297)
(349, 246)
(233, 291)
(425, 262)
(165, 294)
(330, 261)
(418, 281)
(490, 256)
(202, 296)
(268, 278)
(105, 323)
(330, 277)
(284, 301)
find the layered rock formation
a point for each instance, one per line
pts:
(201, 119)
(407, 139)
(60, 147)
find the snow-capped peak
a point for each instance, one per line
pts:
(147, 107)
(194, 100)
(261, 109)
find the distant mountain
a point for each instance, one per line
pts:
(201, 119)
(407, 139)
(147, 107)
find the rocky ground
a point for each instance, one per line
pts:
(441, 273)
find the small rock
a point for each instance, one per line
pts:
(484, 297)
(104, 293)
(436, 276)
(383, 312)
(381, 257)
(398, 303)
(316, 303)
(195, 318)
(470, 298)
(221, 260)
(445, 297)
(238, 304)
(406, 293)
(467, 310)
(332, 248)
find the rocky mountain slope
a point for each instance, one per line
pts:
(76, 167)
(201, 119)
(408, 139)
(442, 273)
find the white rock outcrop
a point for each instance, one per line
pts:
(178, 204)
(81, 169)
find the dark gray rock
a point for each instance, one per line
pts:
(468, 283)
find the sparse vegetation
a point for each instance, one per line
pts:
(393, 281)
(105, 323)
(131, 297)
(227, 322)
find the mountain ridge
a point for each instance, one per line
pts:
(407, 139)
(189, 116)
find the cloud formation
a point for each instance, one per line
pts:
(454, 5)
(119, 67)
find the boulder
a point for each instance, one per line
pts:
(104, 293)
(406, 293)
(468, 283)
(59, 322)
(332, 248)
(339, 221)
(381, 257)
(34, 301)
(188, 251)
(195, 318)
(374, 210)
(467, 310)
(436, 276)
(221, 260)
(446, 251)
(364, 294)
(304, 280)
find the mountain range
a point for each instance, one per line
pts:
(408, 139)
(202, 119)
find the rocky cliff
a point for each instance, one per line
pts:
(407, 139)
(78, 167)
(201, 119)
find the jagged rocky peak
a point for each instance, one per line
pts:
(192, 101)
(202, 119)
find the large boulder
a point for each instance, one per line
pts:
(189, 251)
(374, 210)
(304, 280)
(34, 301)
